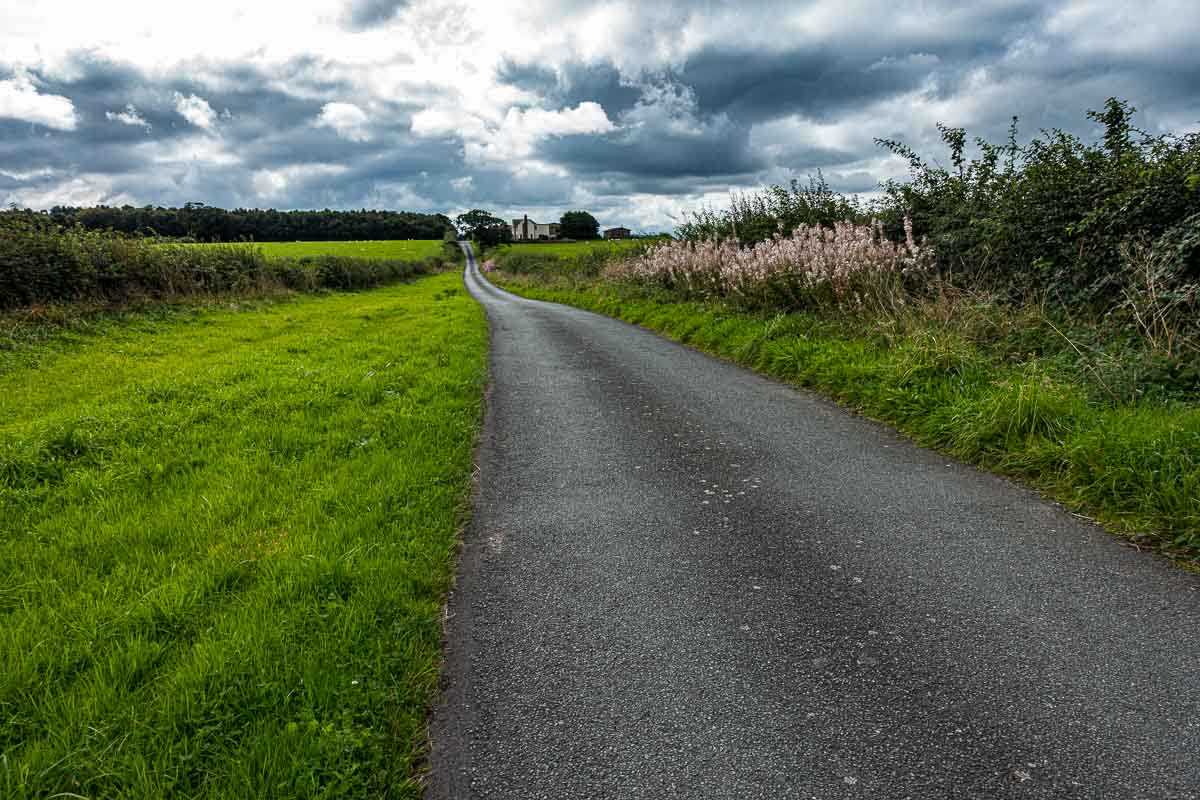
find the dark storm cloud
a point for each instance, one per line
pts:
(657, 153)
(753, 86)
(366, 13)
(737, 113)
(573, 83)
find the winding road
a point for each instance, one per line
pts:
(683, 580)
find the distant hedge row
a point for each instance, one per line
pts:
(203, 223)
(41, 262)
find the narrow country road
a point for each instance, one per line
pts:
(683, 580)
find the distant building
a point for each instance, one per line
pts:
(617, 233)
(526, 230)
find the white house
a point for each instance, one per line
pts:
(526, 230)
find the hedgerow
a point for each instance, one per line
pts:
(41, 262)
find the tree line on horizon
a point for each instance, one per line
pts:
(202, 223)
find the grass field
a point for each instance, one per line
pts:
(400, 249)
(224, 541)
(579, 259)
(574, 250)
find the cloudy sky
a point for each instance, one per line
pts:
(635, 111)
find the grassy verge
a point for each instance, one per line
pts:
(224, 541)
(1053, 421)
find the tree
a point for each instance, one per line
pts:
(578, 225)
(483, 227)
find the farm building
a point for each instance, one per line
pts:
(526, 230)
(617, 233)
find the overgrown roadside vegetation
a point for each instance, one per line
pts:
(1033, 310)
(225, 538)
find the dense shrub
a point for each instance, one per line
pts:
(1108, 229)
(1051, 217)
(41, 262)
(778, 210)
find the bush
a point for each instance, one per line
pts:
(775, 211)
(1052, 216)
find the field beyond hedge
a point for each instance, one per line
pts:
(571, 250)
(225, 538)
(43, 263)
(397, 249)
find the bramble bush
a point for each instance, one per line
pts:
(1052, 217)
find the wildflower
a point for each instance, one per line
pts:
(846, 265)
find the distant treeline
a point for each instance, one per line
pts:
(201, 223)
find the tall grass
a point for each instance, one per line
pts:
(841, 266)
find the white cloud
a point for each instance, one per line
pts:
(348, 120)
(129, 116)
(192, 149)
(1150, 29)
(82, 190)
(441, 122)
(271, 184)
(20, 99)
(196, 110)
(24, 176)
(517, 134)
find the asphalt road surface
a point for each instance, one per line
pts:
(685, 580)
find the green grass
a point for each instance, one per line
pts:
(1135, 464)
(225, 538)
(579, 259)
(574, 250)
(400, 249)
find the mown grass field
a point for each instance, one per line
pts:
(225, 537)
(400, 249)
(1134, 464)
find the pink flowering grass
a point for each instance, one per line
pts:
(846, 266)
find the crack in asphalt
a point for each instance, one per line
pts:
(682, 579)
